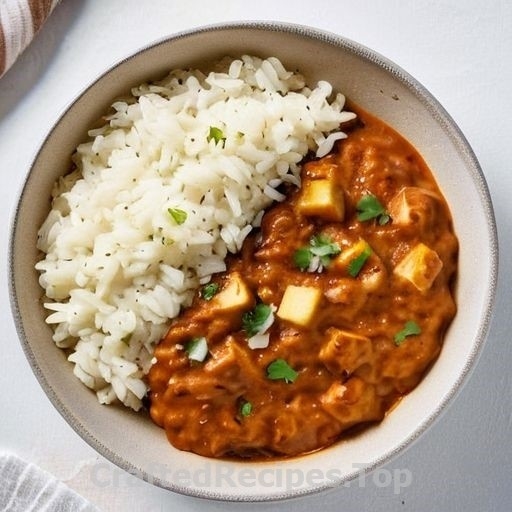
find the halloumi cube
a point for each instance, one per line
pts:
(299, 304)
(420, 266)
(322, 198)
(234, 296)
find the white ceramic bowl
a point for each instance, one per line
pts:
(131, 440)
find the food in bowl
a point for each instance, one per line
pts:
(332, 312)
(355, 267)
(172, 181)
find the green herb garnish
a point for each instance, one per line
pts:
(369, 207)
(209, 290)
(179, 216)
(253, 321)
(320, 246)
(411, 328)
(217, 135)
(280, 369)
(197, 349)
(355, 266)
(302, 258)
(245, 409)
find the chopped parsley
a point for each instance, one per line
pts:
(217, 135)
(197, 349)
(245, 409)
(281, 370)
(369, 207)
(411, 328)
(208, 291)
(317, 254)
(179, 216)
(254, 320)
(355, 266)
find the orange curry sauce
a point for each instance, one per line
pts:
(341, 332)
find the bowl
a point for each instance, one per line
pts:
(131, 440)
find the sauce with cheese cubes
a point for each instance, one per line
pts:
(332, 311)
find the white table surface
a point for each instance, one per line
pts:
(462, 52)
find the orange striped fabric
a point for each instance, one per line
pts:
(19, 22)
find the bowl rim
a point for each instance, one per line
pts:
(450, 128)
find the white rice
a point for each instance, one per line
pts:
(117, 267)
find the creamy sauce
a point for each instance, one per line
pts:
(350, 368)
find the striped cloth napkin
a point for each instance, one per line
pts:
(24, 487)
(19, 22)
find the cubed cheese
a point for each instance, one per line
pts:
(225, 357)
(234, 296)
(352, 402)
(413, 205)
(322, 198)
(345, 351)
(420, 266)
(343, 260)
(299, 304)
(373, 272)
